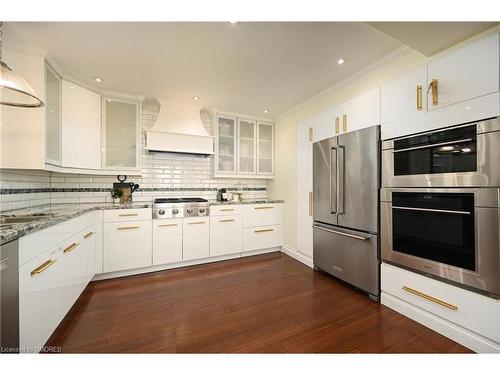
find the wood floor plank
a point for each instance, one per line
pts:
(262, 304)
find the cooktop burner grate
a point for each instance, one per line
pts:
(179, 200)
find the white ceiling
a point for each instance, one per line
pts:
(246, 68)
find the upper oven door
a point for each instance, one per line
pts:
(461, 156)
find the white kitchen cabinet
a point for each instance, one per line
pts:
(466, 73)
(98, 239)
(305, 132)
(264, 237)
(265, 148)
(304, 200)
(90, 241)
(120, 134)
(39, 299)
(81, 127)
(127, 214)
(262, 214)
(167, 241)
(247, 146)
(127, 245)
(52, 116)
(196, 238)
(226, 209)
(324, 125)
(225, 235)
(225, 147)
(361, 112)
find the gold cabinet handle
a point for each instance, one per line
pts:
(123, 215)
(337, 121)
(433, 87)
(197, 222)
(226, 220)
(430, 298)
(88, 235)
(419, 97)
(131, 227)
(227, 209)
(263, 230)
(43, 267)
(264, 207)
(167, 225)
(71, 247)
(310, 203)
(344, 122)
(311, 134)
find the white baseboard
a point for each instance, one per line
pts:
(298, 256)
(454, 332)
(163, 267)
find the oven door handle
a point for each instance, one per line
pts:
(434, 145)
(431, 210)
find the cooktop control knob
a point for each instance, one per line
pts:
(189, 210)
(201, 210)
(175, 211)
(161, 212)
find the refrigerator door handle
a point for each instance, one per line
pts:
(333, 174)
(340, 179)
(362, 238)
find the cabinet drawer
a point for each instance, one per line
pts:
(129, 214)
(462, 307)
(255, 215)
(226, 209)
(167, 241)
(225, 235)
(127, 245)
(262, 237)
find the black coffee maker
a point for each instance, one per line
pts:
(221, 194)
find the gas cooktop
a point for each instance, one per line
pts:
(168, 208)
(179, 200)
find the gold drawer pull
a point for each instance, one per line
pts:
(227, 209)
(226, 220)
(311, 134)
(71, 247)
(167, 225)
(419, 97)
(344, 122)
(310, 203)
(88, 235)
(430, 298)
(337, 120)
(43, 267)
(263, 230)
(197, 222)
(125, 228)
(263, 207)
(121, 215)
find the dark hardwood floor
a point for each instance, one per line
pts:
(263, 304)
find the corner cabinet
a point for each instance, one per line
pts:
(244, 147)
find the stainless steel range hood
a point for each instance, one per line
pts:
(178, 128)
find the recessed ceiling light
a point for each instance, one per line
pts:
(109, 100)
(72, 87)
(266, 111)
(233, 22)
(340, 61)
(196, 98)
(98, 80)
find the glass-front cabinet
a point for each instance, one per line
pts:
(120, 138)
(244, 147)
(52, 116)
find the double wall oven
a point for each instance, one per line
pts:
(440, 209)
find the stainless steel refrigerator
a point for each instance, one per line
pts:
(346, 183)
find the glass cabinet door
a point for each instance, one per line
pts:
(246, 146)
(52, 116)
(120, 133)
(226, 144)
(265, 148)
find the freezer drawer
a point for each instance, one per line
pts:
(349, 255)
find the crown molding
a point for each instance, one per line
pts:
(391, 56)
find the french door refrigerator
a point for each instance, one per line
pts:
(346, 183)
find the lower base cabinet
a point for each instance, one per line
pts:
(262, 237)
(225, 235)
(167, 241)
(127, 245)
(196, 238)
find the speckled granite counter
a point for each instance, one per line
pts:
(246, 201)
(49, 215)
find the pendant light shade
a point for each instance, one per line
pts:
(15, 91)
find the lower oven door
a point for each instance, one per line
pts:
(449, 233)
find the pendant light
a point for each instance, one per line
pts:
(14, 90)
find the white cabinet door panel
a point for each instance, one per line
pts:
(225, 235)
(167, 241)
(362, 111)
(196, 238)
(324, 125)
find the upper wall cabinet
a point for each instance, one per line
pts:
(81, 127)
(244, 147)
(361, 112)
(52, 116)
(120, 134)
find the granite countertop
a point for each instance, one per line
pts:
(49, 215)
(246, 201)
